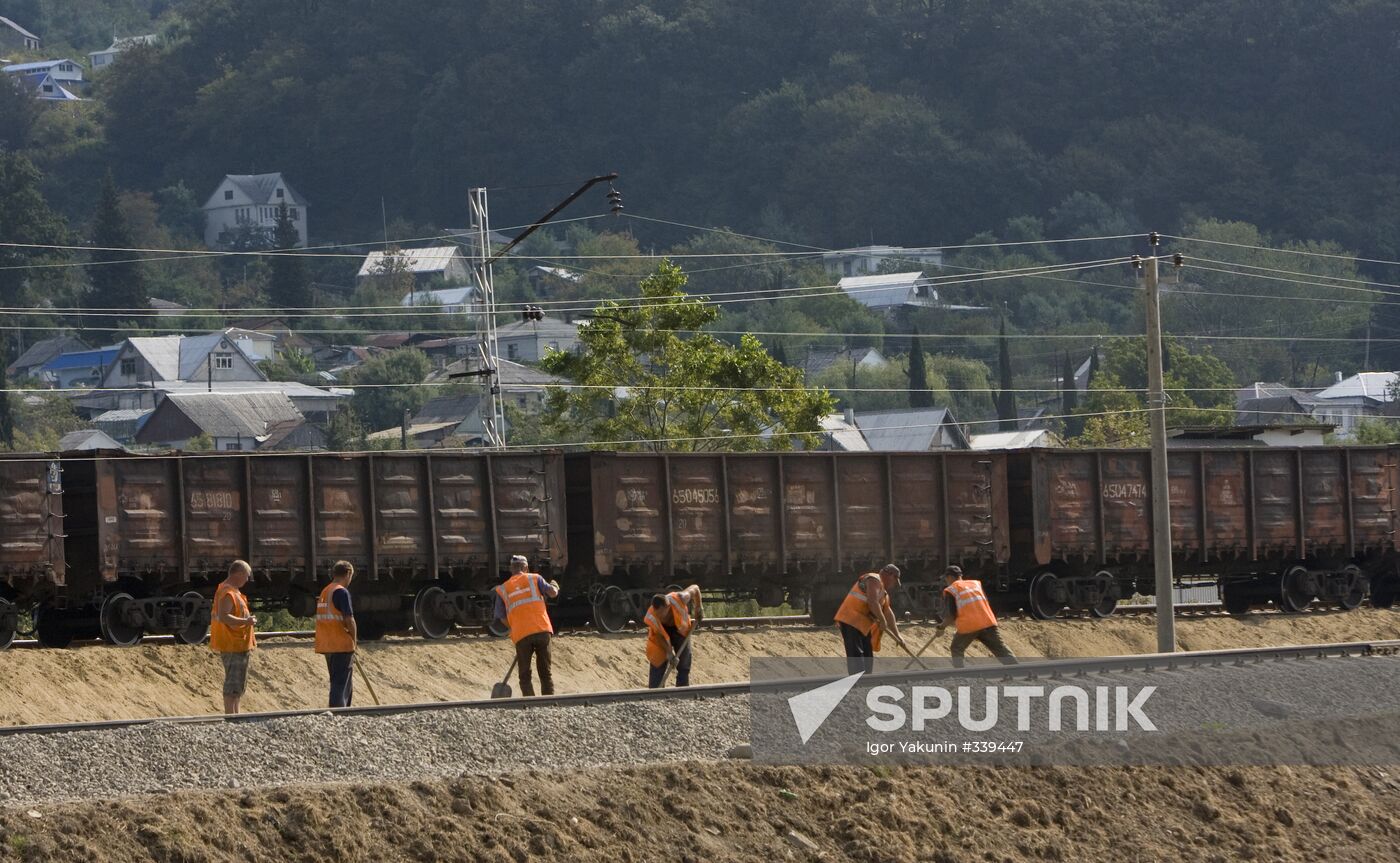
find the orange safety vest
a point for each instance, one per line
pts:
(525, 610)
(855, 610)
(230, 639)
(657, 639)
(974, 611)
(331, 636)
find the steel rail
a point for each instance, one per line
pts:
(1045, 668)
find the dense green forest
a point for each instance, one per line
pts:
(814, 125)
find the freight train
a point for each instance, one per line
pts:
(119, 546)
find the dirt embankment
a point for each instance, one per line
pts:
(98, 682)
(741, 812)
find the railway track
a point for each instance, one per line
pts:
(1042, 669)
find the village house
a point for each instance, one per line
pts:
(13, 37)
(435, 262)
(103, 59)
(250, 202)
(529, 341)
(235, 422)
(64, 71)
(28, 364)
(453, 301)
(867, 260)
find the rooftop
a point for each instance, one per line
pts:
(907, 430)
(1372, 385)
(433, 259)
(249, 415)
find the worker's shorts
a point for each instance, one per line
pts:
(235, 672)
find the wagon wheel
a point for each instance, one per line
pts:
(1042, 605)
(114, 629)
(1104, 608)
(9, 622)
(1235, 599)
(198, 628)
(611, 611)
(51, 627)
(1356, 589)
(430, 613)
(1294, 595)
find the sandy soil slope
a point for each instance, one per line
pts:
(99, 682)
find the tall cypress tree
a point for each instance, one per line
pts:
(118, 281)
(289, 285)
(919, 394)
(1006, 398)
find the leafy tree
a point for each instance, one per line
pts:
(19, 113)
(386, 386)
(39, 422)
(118, 280)
(289, 287)
(875, 388)
(290, 365)
(201, 442)
(1376, 431)
(1200, 392)
(920, 396)
(26, 219)
(345, 433)
(681, 389)
(1006, 396)
(969, 385)
(388, 283)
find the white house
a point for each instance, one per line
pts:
(15, 37)
(46, 89)
(456, 301)
(529, 341)
(64, 71)
(1349, 399)
(891, 290)
(867, 260)
(445, 262)
(102, 59)
(251, 201)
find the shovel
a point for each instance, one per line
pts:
(685, 643)
(502, 689)
(365, 677)
(936, 633)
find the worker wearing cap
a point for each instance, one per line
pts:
(520, 602)
(337, 633)
(669, 622)
(231, 632)
(966, 604)
(865, 613)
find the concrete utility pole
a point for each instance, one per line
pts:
(1161, 490)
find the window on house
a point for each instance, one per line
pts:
(228, 194)
(279, 193)
(523, 402)
(512, 351)
(129, 367)
(292, 211)
(48, 88)
(223, 362)
(232, 447)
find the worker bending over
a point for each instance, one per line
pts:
(865, 613)
(520, 602)
(669, 622)
(966, 604)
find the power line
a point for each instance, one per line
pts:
(1283, 251)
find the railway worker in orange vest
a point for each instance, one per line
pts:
(669, 621)
(520, 602)
(336, 633)
(231, 632)
(861, 627)
(966, 605)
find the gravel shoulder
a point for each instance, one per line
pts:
(689, 811)
(98, 682)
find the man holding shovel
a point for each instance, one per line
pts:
(865, 614)
(520, 602)
(669, 621)
(966, 604)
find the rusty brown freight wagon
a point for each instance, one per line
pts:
(31, 535)
(1281, 525)
(429, 535)
(779, 527)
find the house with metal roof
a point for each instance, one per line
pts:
(46, 88)
(13, 37)
(1024, 439)
(456, 301)
(103, 59)
(911, 430)
(819, 358)
(78, 368)
(867, 260)
(444, 262)
(250, 202)
(529, 341)
(87, 439)
(63, 70)
(1349, 400)
(236, 422)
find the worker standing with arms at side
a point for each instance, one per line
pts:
(336, 634)
(669, 621)
(865, 614)
(231, 632)
(520, 602)
(966, 604)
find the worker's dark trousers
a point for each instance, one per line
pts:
(990, 638)
(860, 654)
(657, 673)
(341, 667)
(536, 646)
